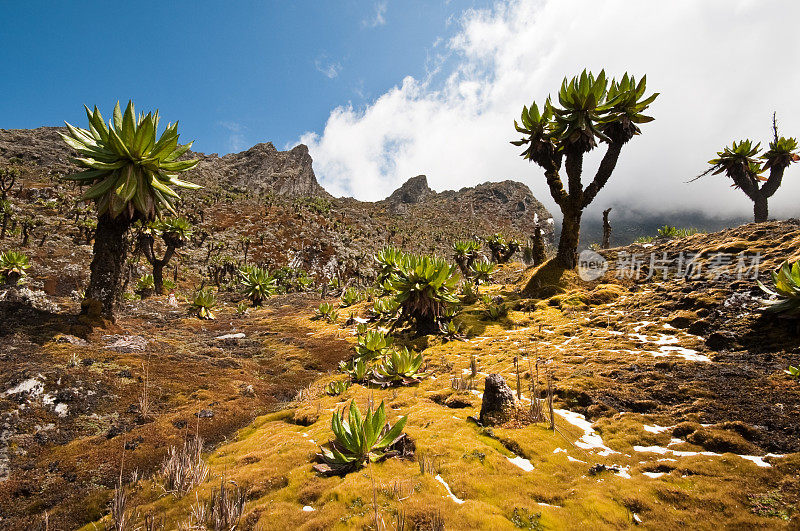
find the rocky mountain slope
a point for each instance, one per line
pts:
(264, 206)
(671, 406)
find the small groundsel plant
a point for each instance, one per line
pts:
(145, 286)
(374, 344)
(359, 439)
(203, 304)
(481, 271)
(400, 367)
(258, 284)
(336, 387)
(12, 266)
(494, 309)
(326, 312)
(385, 308)
(668, 231)
(424, 287)
(350, 296)
(785, 289)
(502, 250)
(469, 292)
(356, 369)
(389, 261)
(453, 331)
(464, 253)
(793, 372)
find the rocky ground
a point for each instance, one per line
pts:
(671, 406)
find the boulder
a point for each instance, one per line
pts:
(498, 401)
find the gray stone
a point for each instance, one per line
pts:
(498, 401)
(125, 344)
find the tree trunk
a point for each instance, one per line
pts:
(761, 208)
(158, 276)
(606, 229)
(567, 255)
(110, 252)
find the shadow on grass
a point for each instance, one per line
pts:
(771, 333)
(38, 326)
(547, 280)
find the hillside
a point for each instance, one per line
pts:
(264, 205)
(670, 398)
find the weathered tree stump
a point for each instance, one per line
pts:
(498, 401)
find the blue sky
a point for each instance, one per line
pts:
(233, 73)
(383, 90)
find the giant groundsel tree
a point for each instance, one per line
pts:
(589, 109)
(131, 171)
(742, 164)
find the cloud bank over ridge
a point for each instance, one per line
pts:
(722, 67)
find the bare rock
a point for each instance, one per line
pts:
(125, 344)
(498, 401)
(72, 340)
(414, 190)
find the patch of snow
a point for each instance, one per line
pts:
(308, 509)
(685, 353)
(449, 492)
(543, 504)
(657, 429)
(557, 450)
(661, 339)
(62, 409)
(360, 320)
(574, 460)
(238, 335)
(624, 472)
(32, 386)
(653, 475)
(521, 462)
(759, 460)
(590, 439)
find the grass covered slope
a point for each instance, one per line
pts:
(672, 410)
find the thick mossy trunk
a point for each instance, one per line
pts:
(567, 255)
(761, 208)
(110, 252)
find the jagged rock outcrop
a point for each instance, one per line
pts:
(414, 190)
(263, 169)
(260, 169)
(508, 200)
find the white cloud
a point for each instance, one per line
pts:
(722, 67)
(378, 18)
(236, 140)
(329, 69)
